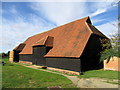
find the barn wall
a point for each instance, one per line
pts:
(38, 53)
(16, 56)
(91, 54)
(37, 57)
(88, 60)
(72, 64)
(26, 57)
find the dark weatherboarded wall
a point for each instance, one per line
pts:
(37, 57)
(88, 60)
(72, 64)
(91, 54)
(16, 56)
(26, 57)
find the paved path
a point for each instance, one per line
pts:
(82, 83)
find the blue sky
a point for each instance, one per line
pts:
(21, 20)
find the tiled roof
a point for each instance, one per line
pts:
(69, 39)
(19, 47)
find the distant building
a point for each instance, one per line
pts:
(74, 46)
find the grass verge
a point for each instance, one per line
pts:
(100, 74)
(110, 76)
(17, 76)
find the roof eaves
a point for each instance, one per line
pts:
(20, 47)
(95, 31)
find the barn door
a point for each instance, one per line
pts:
(16, 56)
(38, 55)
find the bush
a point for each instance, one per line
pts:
(108, 53)
(6, 61)
(112, 49)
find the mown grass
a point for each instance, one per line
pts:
(0, 72)
(17, 76)
(110, 76)
(100, 74)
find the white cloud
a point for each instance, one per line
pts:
(95, 20)
(99, 11)
(16, 32)
(58, 0)
(64, 12)
(58, 13)
(108, 28)
(101, 7)
(61, 13)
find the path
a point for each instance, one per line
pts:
(82, 83)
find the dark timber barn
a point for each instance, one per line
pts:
(75, 46)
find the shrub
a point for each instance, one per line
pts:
(112, 49)
(108, 53)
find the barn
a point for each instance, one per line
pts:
(75, 46)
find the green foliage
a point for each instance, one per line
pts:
(110, 50)
(3, 55)
(105, 44)
(108, 53)
(115, 40)
(6, 61)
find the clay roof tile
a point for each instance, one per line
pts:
(69, 39)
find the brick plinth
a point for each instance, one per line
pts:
(64, 71)
(25, 62)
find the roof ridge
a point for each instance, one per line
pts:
(84, 19)
(63, 41)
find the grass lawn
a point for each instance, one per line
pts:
(100, 74)
(0, 74)
(17, 76)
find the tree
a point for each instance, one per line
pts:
(112, 49)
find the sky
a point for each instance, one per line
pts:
(21, 20)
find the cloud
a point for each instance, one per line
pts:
(95, 20)
(98, 11)
(109, 28)
(59, 0)
(60, 13)
(13, 10)
(64, 12)
(14, 33)
(17, 31)
(102, 7)
(46, 15)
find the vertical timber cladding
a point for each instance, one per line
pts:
(91, 54)
(17, 50)
(38, 54)
(16, 55)
(72, 64)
